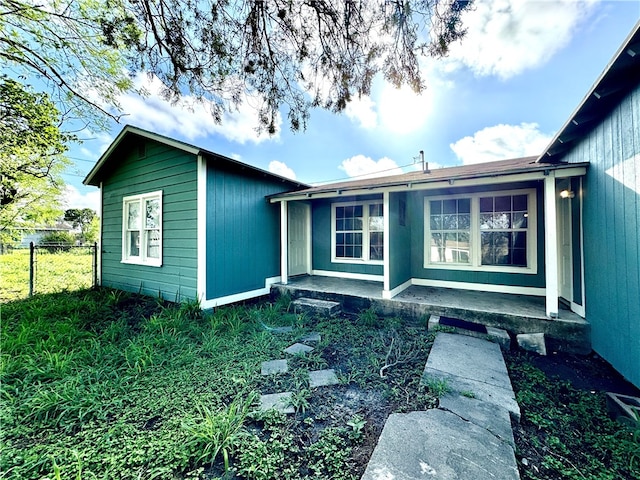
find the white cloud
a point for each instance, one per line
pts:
(281, 168)
(191, 118)
(73, 198)
(501, 142)
(507, 37)
(362, 110)
(362, 166)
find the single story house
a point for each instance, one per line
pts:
(564, 225)
(181, 222)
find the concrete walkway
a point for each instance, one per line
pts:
(469, 435)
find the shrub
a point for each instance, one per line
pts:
(57, 242)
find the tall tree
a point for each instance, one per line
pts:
(294, 55)
(32, 150)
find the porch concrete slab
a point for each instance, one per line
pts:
(298, 349)
(323, 378)
(511, 312)
(277, 401)
(273, 367)
(438, 444)
(313, 337)
(486, 415)
(474, 367)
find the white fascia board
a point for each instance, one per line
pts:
(142, 133)
(447, 183)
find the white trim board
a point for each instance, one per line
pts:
(201, 220)
(481, 287)
(351, 276)
(239, 297)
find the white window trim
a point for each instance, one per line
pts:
(365, 232)
(142, 259)
(474, 234)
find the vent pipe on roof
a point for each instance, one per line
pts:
(425, 166)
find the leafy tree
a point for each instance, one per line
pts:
(290, 54)
(82, 218)
(32, 157)
(91, 231)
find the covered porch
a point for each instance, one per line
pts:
(514, 313)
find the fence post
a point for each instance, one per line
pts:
(95, 264)
(32, 250)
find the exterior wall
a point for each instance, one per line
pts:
(174, 172)
(400, 241)
(321, 239)
(612, 235)
(416, 209)
(243, 230)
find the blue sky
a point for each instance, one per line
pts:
(503, 92)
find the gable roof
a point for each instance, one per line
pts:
(620, 76)
(450, 175)
(98, 171)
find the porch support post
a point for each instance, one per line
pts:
(284, 242)
(551, 245)
(386, 204)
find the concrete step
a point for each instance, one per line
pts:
(314, 307)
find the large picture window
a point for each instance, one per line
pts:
(358, 232)
(142, 229)
(482, 231)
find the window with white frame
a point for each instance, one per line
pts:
(142, 229)
(494, 231)
(358, 232)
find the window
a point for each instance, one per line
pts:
(482, 231)
(450, 230)
(358, 232)
(142, 229)
(503, 230)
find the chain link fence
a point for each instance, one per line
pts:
(47, 268)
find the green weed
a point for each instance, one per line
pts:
(218, 432)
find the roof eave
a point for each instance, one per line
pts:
(556, 146)
(361, 189)
(127, 130)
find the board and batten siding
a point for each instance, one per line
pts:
(143, 169)
(243, 229)
(611, 229)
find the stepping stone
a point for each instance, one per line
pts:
(298, 349)
(280, 402)
(278, 329)
(274, 366)
(312, 306)
(436, 444)
(469, 364)
(322, 378)
(312, 337)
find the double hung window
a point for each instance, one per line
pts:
(142, 229)
(358, 232)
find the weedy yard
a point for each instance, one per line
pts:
(103, 384)
(54, 272)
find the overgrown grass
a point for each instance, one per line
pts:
(105, 384)
(54, 272)
(566, 432)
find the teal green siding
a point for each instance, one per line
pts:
(612, 235)
(321, 240)
(399, 241)
(243, 229)
(416, 209)
(161, 168)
